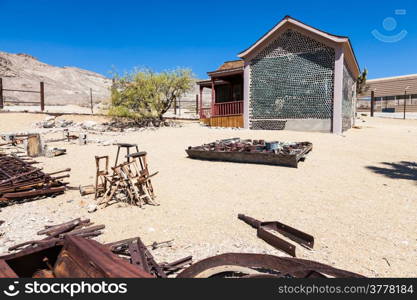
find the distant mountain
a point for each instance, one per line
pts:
(63, 85)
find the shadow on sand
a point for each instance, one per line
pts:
(402, 170)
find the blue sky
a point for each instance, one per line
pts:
(97, 35)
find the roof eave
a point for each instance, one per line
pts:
(341, 40)
(286, 20)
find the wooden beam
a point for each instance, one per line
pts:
(1, 94)
(42, 91)
(213, 96)
(201, 100)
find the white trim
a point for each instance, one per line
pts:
(338, 91)
(246, 95)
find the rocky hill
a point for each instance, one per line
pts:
(68, 86)
(63, 85)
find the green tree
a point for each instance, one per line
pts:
(144, 93)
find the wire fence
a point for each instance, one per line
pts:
(403, 106)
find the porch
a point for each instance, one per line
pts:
(226, 103)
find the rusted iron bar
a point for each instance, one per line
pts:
(76, 227)
(149, 260)
(52, 228)
(20, 179)
(262, 266)
(267, 231)
(177, 265)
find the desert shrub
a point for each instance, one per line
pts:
(144, 94)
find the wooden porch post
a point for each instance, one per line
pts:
(201, 101)
(213, 96)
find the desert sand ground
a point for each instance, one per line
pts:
(356, 194)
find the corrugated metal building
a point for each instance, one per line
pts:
(390, 92)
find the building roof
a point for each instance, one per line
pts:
(234, 64)
(391, 86)
(394, 78)
(325, 37)
(229, 68)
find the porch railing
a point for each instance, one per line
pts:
(205, 113)
(228, 108)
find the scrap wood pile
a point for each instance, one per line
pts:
(20, 179)
(253, 151)
(128, 182)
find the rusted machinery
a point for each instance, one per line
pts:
(253, 151)
(20, 179)
(74, 257)
(68, 252)
(128, 182)
(239, 265)
(268, 232)
(77, 257)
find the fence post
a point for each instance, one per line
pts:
(1, 94)
(372, 103)
(42, 96)
(91, 101)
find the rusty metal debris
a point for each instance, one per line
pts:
(20, 179)
(253, 151)
(237, 265)
(72, 257)
(128, 182)
(57, 233)
(139, 255)
(66, 253)
(268, 230)
(69, 252)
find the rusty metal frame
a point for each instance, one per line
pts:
(266, 231)
(268, 265)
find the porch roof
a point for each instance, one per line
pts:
(207, 83)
